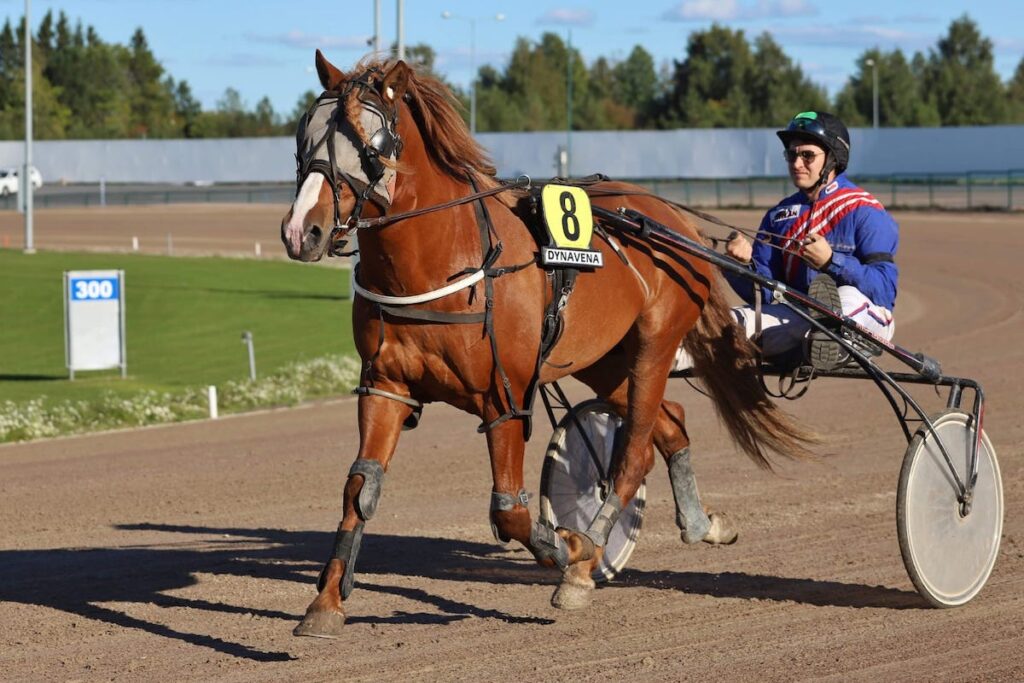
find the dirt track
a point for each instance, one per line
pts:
(189, 552)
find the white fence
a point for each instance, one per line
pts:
(653, 155)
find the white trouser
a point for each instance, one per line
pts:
(783, 330)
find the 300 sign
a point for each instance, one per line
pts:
(94, 290)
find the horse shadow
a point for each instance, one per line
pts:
(80, 580)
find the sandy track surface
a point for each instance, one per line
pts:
(189, 552)
(194, 229)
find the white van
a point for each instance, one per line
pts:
(9, 180)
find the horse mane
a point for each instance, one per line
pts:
(445, 135)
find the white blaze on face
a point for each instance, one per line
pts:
(309, 195)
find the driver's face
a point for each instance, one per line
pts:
(805, 169)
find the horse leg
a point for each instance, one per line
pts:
(633, 461)
(696, 521)
(380, 421)
(510, 516)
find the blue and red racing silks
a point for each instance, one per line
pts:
(863, 237)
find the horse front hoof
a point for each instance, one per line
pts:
(321, 624)
(721, 532)
(576, 588)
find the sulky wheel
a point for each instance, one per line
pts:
(948, 554)
(572, 482)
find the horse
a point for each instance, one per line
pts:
(453, 306)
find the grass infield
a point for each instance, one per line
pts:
(184, 319)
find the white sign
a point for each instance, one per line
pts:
(94, 336)
(579, 258)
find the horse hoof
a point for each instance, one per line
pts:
(720, 533)
(575, 590)
(322, 624)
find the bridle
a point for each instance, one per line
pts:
(383, 143)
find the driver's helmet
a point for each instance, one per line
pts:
(821, 128)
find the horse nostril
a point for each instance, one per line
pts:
(315, 233)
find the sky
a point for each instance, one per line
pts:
(266, 47)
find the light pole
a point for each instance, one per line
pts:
(25, 182)
(472, 60)
(376, 27)
(874, 91)
(568, 106)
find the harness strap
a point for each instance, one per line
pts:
(374, 391)
(522, 182)
(432, 316)
(483, 217)
(477, 275)
(412, 421)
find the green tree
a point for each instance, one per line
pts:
(11, 64)
(45, 36)
(100, 106)
(49, 117)
(707, 87)
(495, 108)
(534, 84)
(777, 87)
(901, 101)
(152, 103)
(726, 82)
(961, 76)
(302, 105)
(1015, 95)
(186, 107)
(635, 85)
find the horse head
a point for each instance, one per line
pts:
(347, 151)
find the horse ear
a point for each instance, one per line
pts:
(395, 82)
(330, 76)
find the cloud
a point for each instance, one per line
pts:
(734, 10)
(916, 19)
(847, 36)
(305, 41)
(566, 16)
(874, 20)
(1008, 46)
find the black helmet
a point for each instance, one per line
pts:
(824, 129)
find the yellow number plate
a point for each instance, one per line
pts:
(567, 215)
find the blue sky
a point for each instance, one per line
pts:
(265, 47)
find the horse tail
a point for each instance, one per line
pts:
(728, 365)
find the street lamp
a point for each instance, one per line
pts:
(25, 182)
(472, 59)
(874, 91)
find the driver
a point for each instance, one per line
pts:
(840, 244)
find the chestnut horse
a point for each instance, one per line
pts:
(451, 308)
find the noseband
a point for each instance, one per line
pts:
(384, 143)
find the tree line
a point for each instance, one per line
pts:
(134, 97)
(724, 80)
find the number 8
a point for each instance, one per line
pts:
(568, 204)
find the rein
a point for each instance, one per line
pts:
(524, 182)
(755, 235)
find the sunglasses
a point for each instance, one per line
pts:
(806, 155)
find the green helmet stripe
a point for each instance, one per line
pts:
(807, 115)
